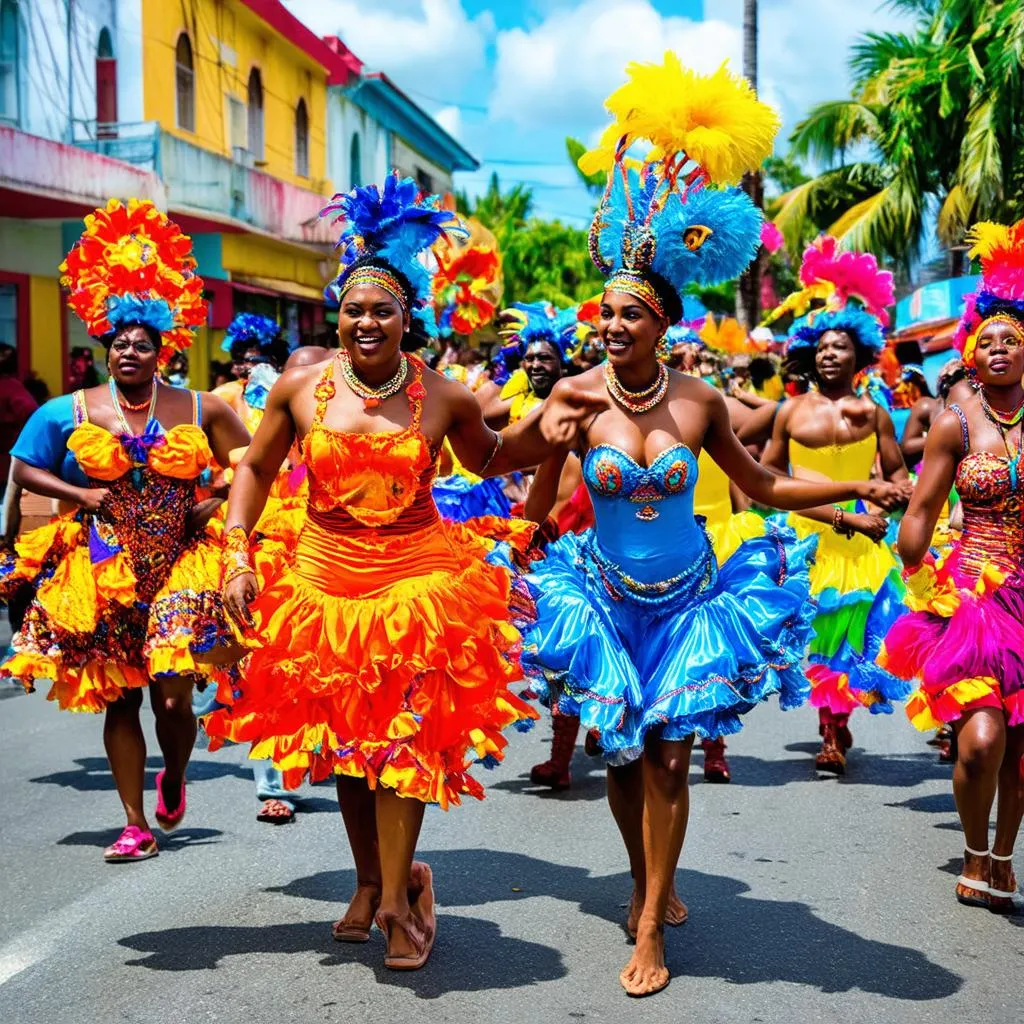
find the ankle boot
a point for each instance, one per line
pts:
(555, 773)
(716, 768)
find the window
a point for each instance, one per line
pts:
(237, 123)
(425, 181)
(256, 114)
(106, 88)
(185, 83)
(9, 314)
(9, 61)
(355, 163)
(301, 140)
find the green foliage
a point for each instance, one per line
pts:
(593, 183)
(541, 259)
(939, 113)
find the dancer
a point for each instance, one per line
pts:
(381, 646)
(127, 585)
(833, 433)
(963, 640)
(637, 631)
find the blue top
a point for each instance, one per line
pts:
(43, 441)
(644, 517)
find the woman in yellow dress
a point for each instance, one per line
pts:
(127, 585)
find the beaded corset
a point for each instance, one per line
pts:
(644, 519)
(990, 490)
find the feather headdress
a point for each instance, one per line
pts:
(467, 285)
(853, 292)
(1000, 248)
(133, 265)
(396, 224)
(251, 328)
(526, 323)
(666, 213)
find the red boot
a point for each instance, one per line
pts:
(832, 756)
(555, 773)
(843, 735)
(716, 768)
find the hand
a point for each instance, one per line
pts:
(92, 498)
(886, 495)
(560, 419)
(202, 513)
(872, 526)
(237, 596)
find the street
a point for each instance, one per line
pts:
(818, 901)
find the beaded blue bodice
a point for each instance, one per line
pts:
(644, 514)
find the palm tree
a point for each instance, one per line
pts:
(937, 114)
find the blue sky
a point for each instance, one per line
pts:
(511, 80)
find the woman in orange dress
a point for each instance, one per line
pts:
(382, 647)
(127, 584)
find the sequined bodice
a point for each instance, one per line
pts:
(644, 516)
(990, 490)
(377, 481)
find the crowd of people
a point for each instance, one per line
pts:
(370, 561)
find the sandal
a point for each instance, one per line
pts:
(276, 812)
(349, 931)
(133, 843)
(168, 820)
(973, 892)
(422, 940)
(1000, 901)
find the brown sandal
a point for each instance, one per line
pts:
(422, 940)
(349, 931)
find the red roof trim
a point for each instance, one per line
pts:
(279, 18)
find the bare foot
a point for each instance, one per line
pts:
(421, 896)
(676, 913)
(646, 972)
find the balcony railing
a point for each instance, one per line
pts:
(198, 179)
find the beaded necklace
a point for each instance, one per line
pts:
(120, 404)
(373, 397)
(1004, 423)
(636, 401)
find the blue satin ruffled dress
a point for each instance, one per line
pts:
(459, 499)
(637, 629)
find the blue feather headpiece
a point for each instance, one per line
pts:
(525, 324)
(865, 329)
(394, 225)
(251, 328)
(130, 309)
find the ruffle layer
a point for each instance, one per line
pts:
(963, 642)
(695, 664)
(460, 499)
(402, 681)
(729, 533)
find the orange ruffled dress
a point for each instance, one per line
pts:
(384, 641)
(122, 596)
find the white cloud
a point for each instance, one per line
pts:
(450, 119)
(562, 70)
(418, 42)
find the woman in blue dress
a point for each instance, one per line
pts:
(638, 631)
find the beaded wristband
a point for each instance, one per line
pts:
(235, 555)
(838, 517)
(499, 440)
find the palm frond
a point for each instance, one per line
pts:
(832, 127)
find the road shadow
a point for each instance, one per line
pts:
(588, 781)
(470, 955)
(791, 942)
(933, 803)
(93, 774)
(181, 838)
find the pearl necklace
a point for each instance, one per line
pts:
(373, 397)
(636, 401)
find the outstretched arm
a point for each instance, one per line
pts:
(942, 453)
(768, 488)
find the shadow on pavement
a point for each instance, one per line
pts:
(470, 954)
(93, 773)
(791, 942)
(588, 781)
(181, 838)
(863, 769)
(933, 803)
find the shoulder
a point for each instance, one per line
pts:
(298, 379)
(590, 381)
(228, 391)
(948, 430)
(455, 395)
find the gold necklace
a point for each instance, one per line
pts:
(637, 401)
(373, 397)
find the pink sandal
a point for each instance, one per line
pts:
(168, 821)
(133, 843)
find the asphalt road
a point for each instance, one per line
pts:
(817, 901)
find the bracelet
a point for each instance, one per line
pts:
(838, 518)
(235, 555)
(499, 440)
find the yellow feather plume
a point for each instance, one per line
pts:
(986, 237)
(716, 120)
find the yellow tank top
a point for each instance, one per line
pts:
(853, 461)
(711, 497)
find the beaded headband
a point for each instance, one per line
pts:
(997, 318)
(379, 278)
(633, 283)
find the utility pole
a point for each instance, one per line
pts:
(748, 294)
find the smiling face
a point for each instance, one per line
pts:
(133, 356)
(629, 330)
(835, 360)
(542, 366)
(999, 354)
(371, 325)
